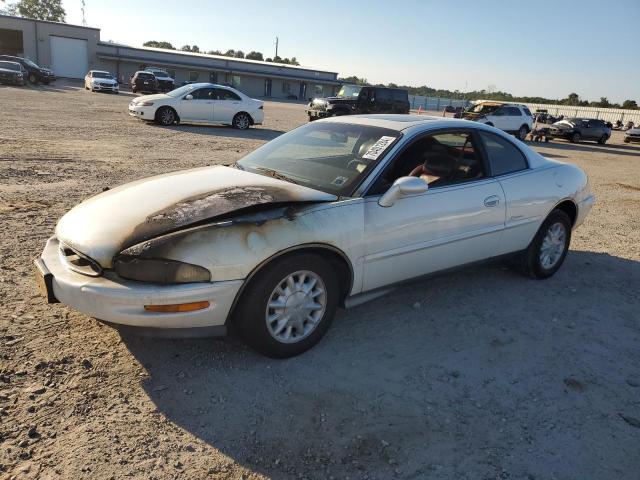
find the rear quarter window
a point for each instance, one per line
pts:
(400, 96)
(504, 156)
(527, 112)
(383, 94)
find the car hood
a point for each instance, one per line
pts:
(105, 80)
(633, 131)
(104, 225)
(146, 98)
(564, 125)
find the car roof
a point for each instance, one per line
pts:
(205, 84)
(99, 71)
(401, 122)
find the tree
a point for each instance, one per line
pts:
(354, 80)
(50, 10)
(156, 44)
(254, 56)
(189, 48)
(230, 53)
(239, 54)
(630, 105)
(604, 102)
(572, 99)
(195, 49)
(214, 52)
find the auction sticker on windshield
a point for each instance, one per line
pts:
(377, 148)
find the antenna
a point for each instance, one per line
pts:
(84, 20)
(276, 45)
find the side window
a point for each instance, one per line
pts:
(203, 94)
(441, 159)
(400, 96)
(527, 112)
(224, 94)
(513, 112)
(504, 157)
(383, 95)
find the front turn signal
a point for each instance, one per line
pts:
(177, 308)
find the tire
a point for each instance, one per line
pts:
(522, 133)
(556, 228)
(575, 138)
(626, 140)
(241, 121)
(253, 312)
(33, 79)
(311, 119)
(603, 139)
(166, 116)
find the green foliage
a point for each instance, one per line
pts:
(630, 105)
(50, 10)
(156, 44)
(189, 48)
(254, 56)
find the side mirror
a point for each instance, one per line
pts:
(403, 187)
(189, 97)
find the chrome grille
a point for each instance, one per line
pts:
(78, 262)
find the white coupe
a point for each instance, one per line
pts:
(101, 81)
(332, 213)
(200, 103)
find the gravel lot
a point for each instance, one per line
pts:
(481, 374)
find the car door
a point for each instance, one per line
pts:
(226, 105)
(198, 105)
(456, 221)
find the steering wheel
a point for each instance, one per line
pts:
(353, 164)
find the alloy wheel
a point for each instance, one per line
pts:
(296, 306)
(553, 245)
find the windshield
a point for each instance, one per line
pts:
(102, 75)
(178, 92)
(30, 63)
(331, 157)
(159, 73)
(349, 91)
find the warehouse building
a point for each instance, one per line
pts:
(72, 50)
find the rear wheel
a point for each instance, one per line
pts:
(603, 139)
(165, 116)
(241, 121)
(575, 137)
(627, 140)
(549, 247)
(288, 306)
(522, 133)
(33, 79)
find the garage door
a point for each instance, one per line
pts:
(69, 57)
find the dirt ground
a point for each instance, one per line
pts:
(481, 374)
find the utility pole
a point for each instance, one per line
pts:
(84, 21)
(276, 47)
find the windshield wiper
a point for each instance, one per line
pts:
(275, 174)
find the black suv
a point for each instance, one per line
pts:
(35, 73)
(576, 129)
(354, 99)
(144, 82)
(165, 82)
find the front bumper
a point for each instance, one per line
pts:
(144, 113)
(317, 113)
(105, 88)
(121, 302)
(584, 207)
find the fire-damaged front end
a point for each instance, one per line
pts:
(171, 253)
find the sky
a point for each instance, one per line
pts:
(546, 48)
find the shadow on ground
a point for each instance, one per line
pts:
(478, 374)
(254, 133)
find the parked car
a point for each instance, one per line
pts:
(200, 103)
(35, 73)
(509, 117)
(101, 81)
(12, 73)
(578, 129)
(165, 82)
(331, 213)
(632, 135)
(355, 99)
(144, 82)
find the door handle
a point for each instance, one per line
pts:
(491, 201)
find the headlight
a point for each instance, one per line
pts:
(158, 270)
(145, 104)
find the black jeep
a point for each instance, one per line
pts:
(355, 99)
(144, 82)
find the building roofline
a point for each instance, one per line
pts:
(217, 57)
(35, 20)
(286, 75)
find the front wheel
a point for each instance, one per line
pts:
(288, 307)
(575, 137)
(627, 140)
(166, 116)
(241, 121)
(33, 79)
(549, 247)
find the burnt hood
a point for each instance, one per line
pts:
(104, 225)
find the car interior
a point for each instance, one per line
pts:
(440, 160)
